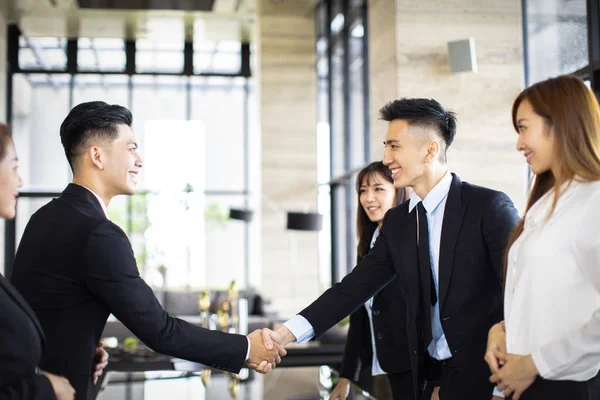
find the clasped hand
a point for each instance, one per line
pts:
(511, 373)
(267, 348)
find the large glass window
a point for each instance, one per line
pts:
(159, 56)
(178, 222)
(562, 37)
(342, 69)
(43, 53)
(101, 55)
(217, 57)
(557, 37)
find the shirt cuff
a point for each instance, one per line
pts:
(300, 328)
(248, 352)
(497, 392)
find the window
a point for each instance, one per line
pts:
(217, 57)
(101, 55)
(557, 37)
(176, 117)
(158, 56)
(42, 53)
(342, 71)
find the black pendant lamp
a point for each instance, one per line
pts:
(301, 221)
(241, 215)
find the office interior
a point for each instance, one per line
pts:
(249, 113)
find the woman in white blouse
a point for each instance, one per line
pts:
(548, 347)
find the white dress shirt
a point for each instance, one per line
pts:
(552, 296)
(375, 367)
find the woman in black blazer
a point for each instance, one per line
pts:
(21, 336)
(384, 316)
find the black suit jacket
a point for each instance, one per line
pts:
(389, 326)
(75, 267)
(476, 225)
(21, 347)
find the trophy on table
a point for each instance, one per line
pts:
(231, 317)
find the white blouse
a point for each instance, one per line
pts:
(552, 297)
(375, 367)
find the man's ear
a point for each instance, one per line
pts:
(433, 149)
(96, 156)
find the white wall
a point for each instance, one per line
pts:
(417, 66)
(288, 122)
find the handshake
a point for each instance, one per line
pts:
(267, 348)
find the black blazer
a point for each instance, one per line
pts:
(75, 267)
(21, 347)
(476, 226)
(389, 326)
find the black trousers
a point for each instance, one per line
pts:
(543, 389)
(454, 385)
(396, 386)
(402, 385)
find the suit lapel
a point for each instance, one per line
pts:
(453, 218)
(16, 296)
(409, 272)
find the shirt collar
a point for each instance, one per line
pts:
(374, 237)
(99, 200)
(435, 195)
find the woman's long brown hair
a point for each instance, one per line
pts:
(5, 139)
(572, 115)
(364, 226)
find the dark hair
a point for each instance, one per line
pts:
(364, 226)
(5, 140)
(91, 121)
(425, 113)
(571, 109)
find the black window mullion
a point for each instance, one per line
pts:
(366, 94)
(593, 22)
(348, 142)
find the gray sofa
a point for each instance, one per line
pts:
(184, 305)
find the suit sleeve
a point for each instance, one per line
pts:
(372, 274)
(111, 275)
(499, 219)
(354, 343)
(33, 387)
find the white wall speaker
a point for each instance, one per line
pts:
(462, 55)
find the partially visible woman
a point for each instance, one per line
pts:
(377, 339)
(21, 336)
(548, 347)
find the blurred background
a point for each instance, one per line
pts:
(248, 110)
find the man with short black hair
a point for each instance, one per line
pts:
(75, 267)
(446, 245)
